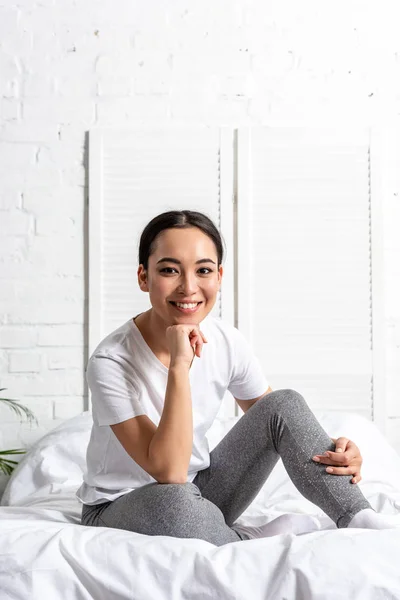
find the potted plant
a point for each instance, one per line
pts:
(7, 465)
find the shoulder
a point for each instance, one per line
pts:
(117, 345)
(113, 364)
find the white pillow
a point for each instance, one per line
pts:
(55, 461)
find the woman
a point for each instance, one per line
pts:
(157, 383)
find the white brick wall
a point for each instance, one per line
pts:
(66, 66)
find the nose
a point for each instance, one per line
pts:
(188, 284)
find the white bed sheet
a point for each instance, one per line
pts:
(46, 553)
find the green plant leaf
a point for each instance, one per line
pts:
(5, 469)
(7, 466)
(19, 409)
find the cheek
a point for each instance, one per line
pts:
(161, 288)
(211, 287)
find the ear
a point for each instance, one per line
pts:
(220, 273)
(142, 279)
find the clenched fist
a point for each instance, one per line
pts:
(185, 342)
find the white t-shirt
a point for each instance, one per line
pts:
(126, 379)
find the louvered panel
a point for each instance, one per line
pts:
(135, 175)
(306, 234)
(336, 391)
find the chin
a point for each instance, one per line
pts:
(188, 320)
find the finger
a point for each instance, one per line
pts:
(200, 339)
(324, 460)
(353, 449)
(350, 454)
(349, 457)
(357, 478)
(193, 341)
(198, 345)
(334, 458)
(341, 470)
(341, 444)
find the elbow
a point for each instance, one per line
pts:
(172, 479)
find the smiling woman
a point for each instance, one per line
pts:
(153, 404)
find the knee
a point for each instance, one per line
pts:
(178, 490)
(283, 399)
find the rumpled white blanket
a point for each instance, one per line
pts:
(46, 553)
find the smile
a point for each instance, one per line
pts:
(186, 307)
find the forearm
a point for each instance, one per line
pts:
(171, 445)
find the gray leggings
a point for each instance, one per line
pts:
(279, 425)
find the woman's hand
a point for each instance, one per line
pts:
(185, 342)
(346, 460)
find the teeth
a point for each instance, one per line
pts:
(186, 305)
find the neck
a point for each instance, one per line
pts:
(153, 331)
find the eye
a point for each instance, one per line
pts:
(167, 270)
(206, 269)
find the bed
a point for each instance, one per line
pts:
(45, 553)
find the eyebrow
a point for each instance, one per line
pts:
(178, 262)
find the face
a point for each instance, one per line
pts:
(183, 269)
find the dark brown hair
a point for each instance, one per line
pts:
(177, 219)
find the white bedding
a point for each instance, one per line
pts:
(46, 554)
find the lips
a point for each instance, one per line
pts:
(180, 302)
(186, 310)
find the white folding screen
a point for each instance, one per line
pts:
(306, 298)
(299, 211)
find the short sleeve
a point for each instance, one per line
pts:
(247, 380)
(115, 396)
